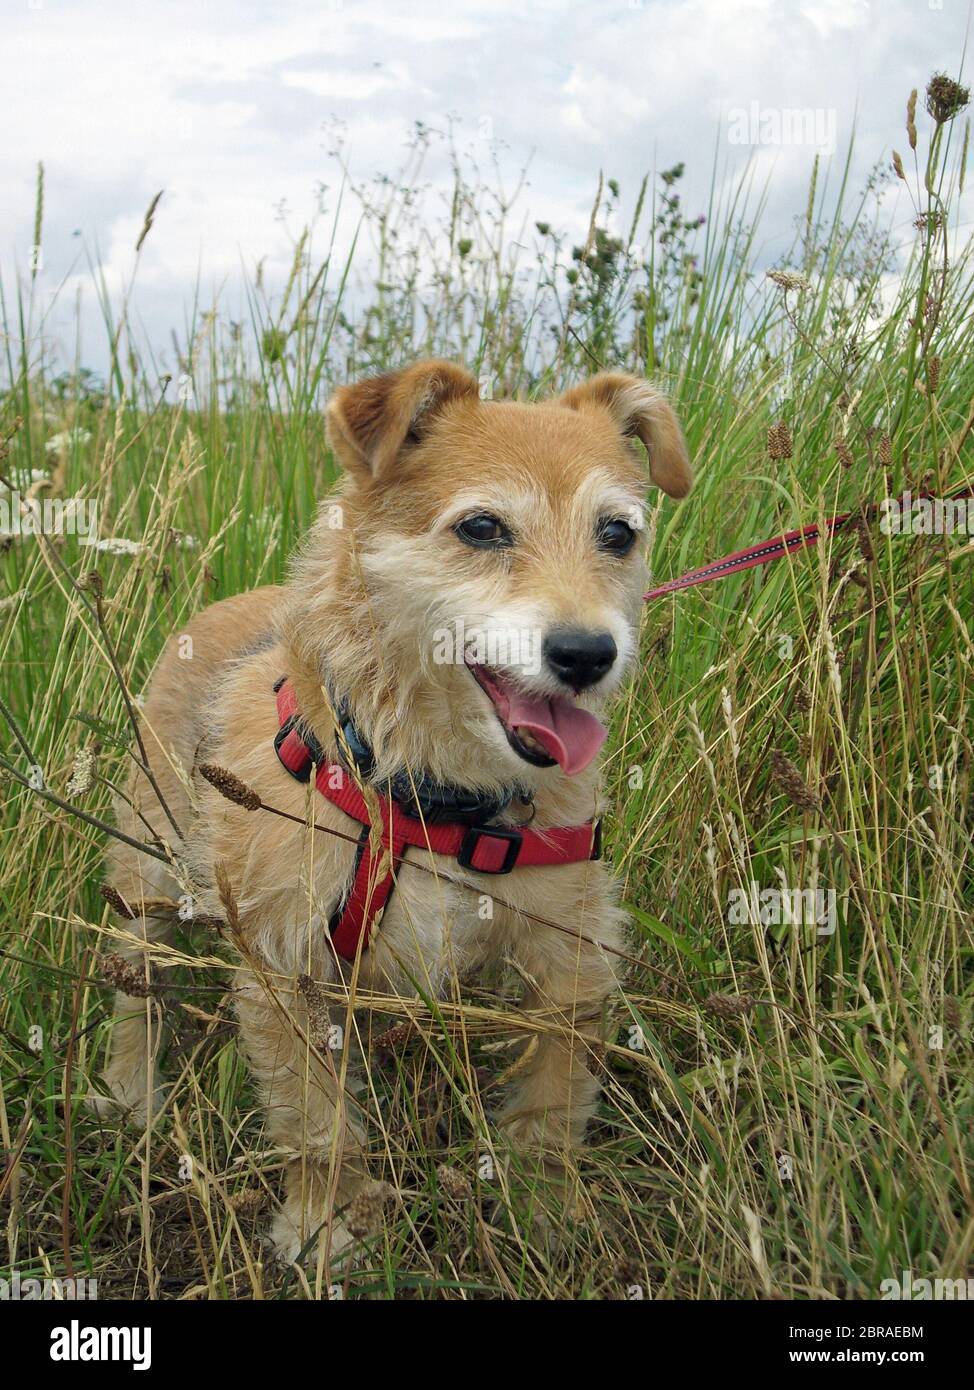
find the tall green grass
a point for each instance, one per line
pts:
(786, 1113)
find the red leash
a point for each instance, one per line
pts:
(766, 551)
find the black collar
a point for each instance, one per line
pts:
(419, 796)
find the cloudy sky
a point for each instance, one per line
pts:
(230, 105)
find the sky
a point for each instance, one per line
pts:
(231, 106)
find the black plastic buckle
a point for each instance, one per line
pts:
(597, 841)
(286, 728)
(471, 840)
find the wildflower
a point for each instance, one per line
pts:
(62, 442)
(37, 475)
(789, 280)
(929, 222)
(945, 97)
(117, 545)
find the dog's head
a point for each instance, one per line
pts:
(491, 565)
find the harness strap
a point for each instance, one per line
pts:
(486, 849)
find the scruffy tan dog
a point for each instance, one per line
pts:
(464, 605)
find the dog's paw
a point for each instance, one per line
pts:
(126, 1099)
(288, 1247)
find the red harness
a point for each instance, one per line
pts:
(487, 849)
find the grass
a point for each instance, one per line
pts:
(786, 1113)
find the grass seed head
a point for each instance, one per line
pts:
(228, 784)
(844, 453)
(453, 1184)
(82, 777)
(126, 976)
(779, 442)
(319, 1014)
(117, 903)
(791, 782)
(911, 125)
(91, 582)
(728, 1006)
(227, 898)
(365, 1211)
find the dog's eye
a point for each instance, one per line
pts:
(615, 536)
(483, 530)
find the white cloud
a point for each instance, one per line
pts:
(227, 105)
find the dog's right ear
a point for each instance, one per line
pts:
(642, 411)
(370, 422)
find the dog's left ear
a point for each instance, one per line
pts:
(370, 422)
(639, 408)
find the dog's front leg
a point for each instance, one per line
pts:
(554, 1090)
(308, 1116)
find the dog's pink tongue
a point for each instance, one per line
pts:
(570, 735)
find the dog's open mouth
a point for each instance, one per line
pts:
(542, 729)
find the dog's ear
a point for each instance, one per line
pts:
(639, 408)
(371, 421)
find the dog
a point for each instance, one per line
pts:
(465, 605)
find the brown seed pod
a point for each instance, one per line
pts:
(791, 782)
(228, 784)
(779, 442)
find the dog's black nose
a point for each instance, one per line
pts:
(577, 657)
